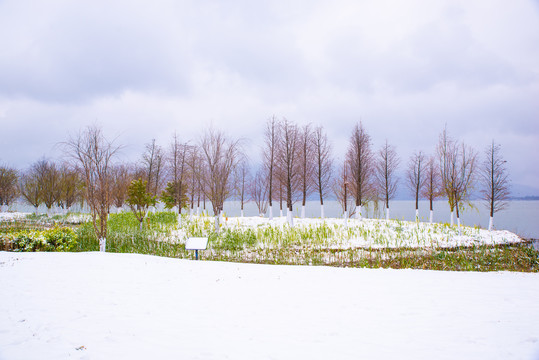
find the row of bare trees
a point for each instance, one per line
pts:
(297, 162)
(45, 182)
(454, 172)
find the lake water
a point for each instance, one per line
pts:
(520, 217)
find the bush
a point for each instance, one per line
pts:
(56, 239)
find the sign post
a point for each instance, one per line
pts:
(196, 243)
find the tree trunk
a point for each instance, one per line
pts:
(358, 212)
(322, 211)
(290, 217)
(387, 213)
(217, 223)
(490, 223)
(416, 215)
(303, 211)
(431, 216)
(271, 212)
(103, 244)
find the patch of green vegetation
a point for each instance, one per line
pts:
(55, 239)
(323, 244)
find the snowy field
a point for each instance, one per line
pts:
(127, 306)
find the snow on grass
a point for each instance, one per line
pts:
(12, 216)
(369, 233)
(128, 306)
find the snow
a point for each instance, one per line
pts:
(129, 306)
(377, 233)
(11, 216)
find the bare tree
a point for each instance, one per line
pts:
(341, 188)
(259, 191)
(271, 144)
(220, 155)
(194, 181)
(153, 160)
(121, 180)
(323, 169)
(416, 178)
(360, 164)
(386, 166)
(287, 159)
(70, 187)
(178, 158)
(306, 164)
(30, 190)
(431, 189)
(495, 181)
(94, 154)
(8, 186)
(461, 161)
(50, 183)
(447, 151)
(242, 178)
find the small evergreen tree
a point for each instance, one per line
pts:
(139, 199)
(171, 198)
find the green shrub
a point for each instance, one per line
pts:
(56, 239)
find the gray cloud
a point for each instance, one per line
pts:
(144, 71)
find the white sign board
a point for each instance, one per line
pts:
(196, 243)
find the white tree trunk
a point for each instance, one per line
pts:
(281, 212)
(271, 212)
(358, 213)
(322, 211)
(103, 244)
(190, 213)
(289, 217)
(452, 217)
(387, 214)
(417, 215)
(198, 210)
(345, 215)
(217, 223)
(431, 216)
(303, 211)
(490, 223)
(241, 212)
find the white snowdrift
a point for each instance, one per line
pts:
(127, 306)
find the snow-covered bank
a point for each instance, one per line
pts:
(127, 306)
(377, 234)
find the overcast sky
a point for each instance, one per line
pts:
(143, 70)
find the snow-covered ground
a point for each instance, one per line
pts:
(128, 306)
(376, 233)
(10, 216)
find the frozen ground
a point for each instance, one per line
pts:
(127, 306)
